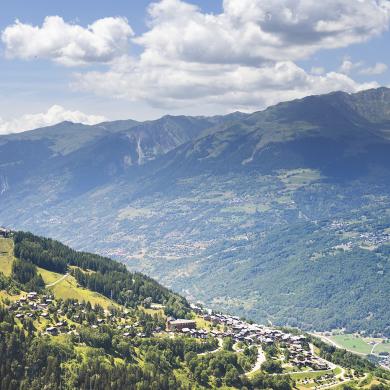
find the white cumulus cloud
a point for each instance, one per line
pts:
(228, 85)
(348, 66)
(244, 57)
(52, 116)
(249, 31)
(378, 68)
(68, 44)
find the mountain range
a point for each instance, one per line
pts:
(281, 215)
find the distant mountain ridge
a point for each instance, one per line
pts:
(96, 152)
(263, 201)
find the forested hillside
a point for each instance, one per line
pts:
(104, 275)
(50, 341)
(281, 215)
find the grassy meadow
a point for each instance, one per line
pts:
(6, 255)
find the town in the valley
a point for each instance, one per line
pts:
(293, 351)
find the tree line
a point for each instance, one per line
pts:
(108, 277)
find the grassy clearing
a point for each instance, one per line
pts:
(312, 374)
(4, 296)
(372, 381)
(41, 324)
(201, 323)
(352, 343)
(6, 260)
(337, 371)
(357, 384)
(49, 276)
(69, 289)
(311, 377)
(382, 347)
(297, 178)
(6, 255)
(151, 311)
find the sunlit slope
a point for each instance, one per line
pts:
(66, 287)
(6, 256)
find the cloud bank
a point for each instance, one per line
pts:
(252, 31)
(53, 115)
(242, 58)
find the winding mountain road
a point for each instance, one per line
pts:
(260, 360)
(57, 281)
(220, 346)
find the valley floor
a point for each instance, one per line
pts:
(364, 346)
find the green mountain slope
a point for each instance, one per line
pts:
(282, 214)
(75, 158)
(51, 339)
(90, 324)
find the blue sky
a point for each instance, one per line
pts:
(182, 57)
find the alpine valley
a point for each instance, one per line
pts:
(281, 216)
(77, 321)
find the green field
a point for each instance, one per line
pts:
(201, 323)
(69, 289)
(150, 311)
(382, 347)
(360, 345)
(314, 374)
(6, 256)
(49, 276)
(352, 343)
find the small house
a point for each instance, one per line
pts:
(179, 324)
(52, 330)
(5, 233)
